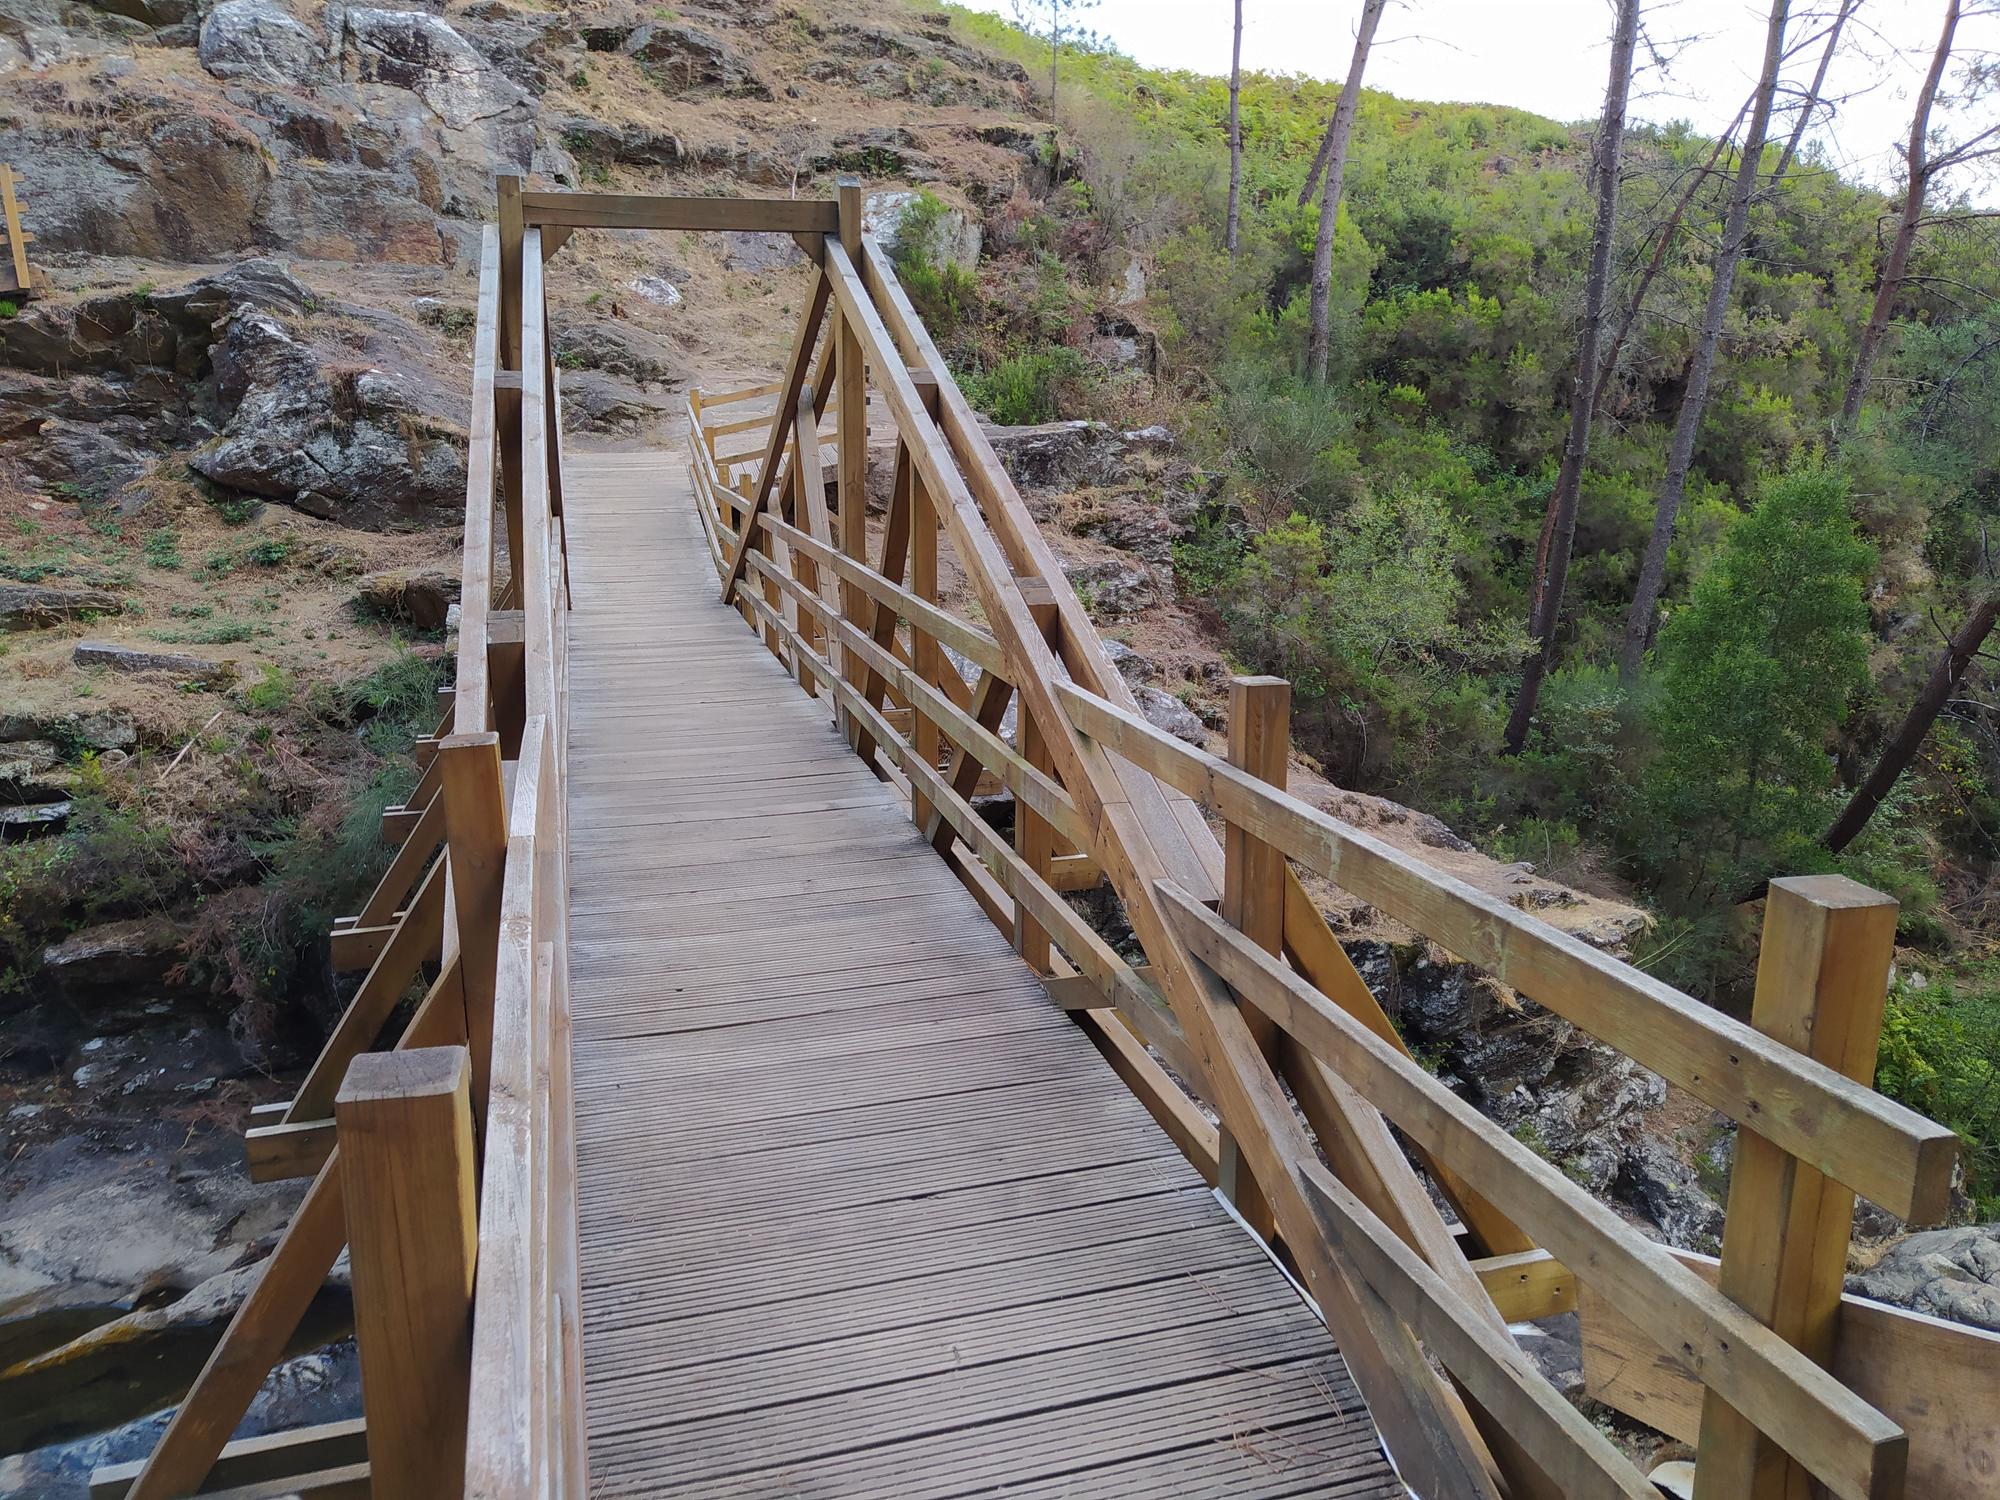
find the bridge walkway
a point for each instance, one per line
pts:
(862, 1212)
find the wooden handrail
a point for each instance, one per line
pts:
(1846, 1443)
(1889, 1154)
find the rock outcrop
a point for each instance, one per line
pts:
(1948, 1273)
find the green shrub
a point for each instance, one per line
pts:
(271, 693)
(1940, 1055)
(1026, 388)
(163, 548)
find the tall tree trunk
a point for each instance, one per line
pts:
(1233, 225)
(1559, 521)
(1669, 231)
(1810, 103)
(1701, 370)
(1897, 263)
(1909, 736)
(1334, 152)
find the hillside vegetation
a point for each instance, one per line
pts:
(1373, 538)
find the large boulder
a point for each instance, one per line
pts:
(1948, 1273)
(362, 445)
(420, 52)
(1664, 1189)
(258, 40)
(617, 349)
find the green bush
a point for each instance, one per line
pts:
(1940, 1055)
(1026, 388)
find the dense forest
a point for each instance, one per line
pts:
(1377, 535)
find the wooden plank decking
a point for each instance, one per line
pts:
(862, 1213)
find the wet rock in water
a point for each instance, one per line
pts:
(145, 1358)
(1663, 1188)
(1112, 588)
(1947, 1273)
(323, 1386)
(25, 606)
(132, 660)
(1164, 711)
(682, 60)
(259, 41)
(362, 446)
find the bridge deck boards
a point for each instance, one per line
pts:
(863, 1214)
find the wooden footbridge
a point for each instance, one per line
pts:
(728, 1108)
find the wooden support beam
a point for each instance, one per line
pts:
(408, 1173)
(475, 820)
(1822, 976)
(398, 823)
(804, 339)
(1850, 1447)
(510, 215)
(1939, 1381)
(358, 947)
(646, 211)
(1886, 1152)
(280, 1152)
(1572, 1456)
(1253, 887)
(1186, 1126)
(851, 465)
(418, 940)
(1526, 1286)
(1075, 872)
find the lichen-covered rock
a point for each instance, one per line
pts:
(420, 52)
(1164, 711)
(131, 659)
(1135, 526)
(1663, 1188)
(1132, 665)
(24, 606)
(360, 445)
(685, 61)
(1110, 588)
(117, 964)
(596, 402)
(260, 41)
(617, 349)
(747, 250)
(1948, 1273)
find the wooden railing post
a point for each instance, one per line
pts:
(475, 830)
(507, 396)
(1034, 839)
(406, 1162)
(1822, 978)
(1253, 883)
(851, 464)
(925, 655)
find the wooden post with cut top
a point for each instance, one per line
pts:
(1822, 978)
(1253, 884)
(475, 831)
(406, 1164)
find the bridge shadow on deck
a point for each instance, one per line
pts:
(862, 1212)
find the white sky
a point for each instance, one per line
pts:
(1550, 56)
